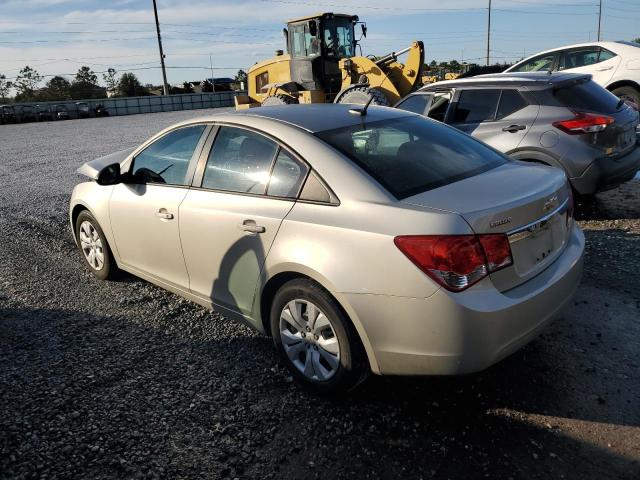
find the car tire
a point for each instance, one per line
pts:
(279, 99)
(629, 93)
(94, 247)
(362, 95)
(323, 353)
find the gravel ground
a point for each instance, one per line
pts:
(124, 380)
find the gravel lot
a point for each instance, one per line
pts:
(122, 379)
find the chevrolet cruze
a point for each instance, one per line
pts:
(361, 240)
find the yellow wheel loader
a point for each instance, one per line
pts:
(321, 66)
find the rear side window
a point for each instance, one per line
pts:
(476, 106)
(587, 96)
(415, 103)
(287, 176)
(240, 161)
(167, 159)
(410, 155)
(510, 102)
(578, 58)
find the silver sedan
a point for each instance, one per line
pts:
(362, 240)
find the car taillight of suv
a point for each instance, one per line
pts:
(584, 123)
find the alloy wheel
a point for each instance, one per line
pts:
(309, 340)
(91, 245)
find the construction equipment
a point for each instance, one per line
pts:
(321, 66)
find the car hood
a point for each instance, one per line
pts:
(92, 168)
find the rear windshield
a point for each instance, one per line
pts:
(587, 95)
(411, 155)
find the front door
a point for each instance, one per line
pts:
(145, 211)
(227, 225)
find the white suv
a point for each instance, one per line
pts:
(614, 65)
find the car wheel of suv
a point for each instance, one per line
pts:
(627, 93)
(315, 339)
(94, 247)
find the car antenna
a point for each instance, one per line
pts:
(361, 111)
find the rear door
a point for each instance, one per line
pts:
(244, 187)
(499, 117)
(597, 61)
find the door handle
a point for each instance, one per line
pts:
(250, 226)
(514, 128)
(163, 214)
(604, 69)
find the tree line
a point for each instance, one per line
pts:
(83, 86)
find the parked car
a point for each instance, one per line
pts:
(44, 113)
(28, 113)
(560, 119)
(83, 110)
(100, 111)
(8, 114)
(614, 65)
(61, 112)
(359, 239)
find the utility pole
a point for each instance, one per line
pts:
(165, 85)
(489, 31)
(599, 18)
(211, 66)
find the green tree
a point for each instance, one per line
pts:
(433, 64)
(241, 76)
(58, 88)
(26, 83)
(5, 87)
(85, 85)
(130, 86)
(187, 87)
(206, 86)
(111, 80)
(454, 65)
(636, 40)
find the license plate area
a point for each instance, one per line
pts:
(537, 244)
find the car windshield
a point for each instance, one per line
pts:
(411, 155)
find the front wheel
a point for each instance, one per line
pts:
(94, 247)
(362, 95)
(315, 339)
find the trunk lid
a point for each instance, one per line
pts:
(527, 202)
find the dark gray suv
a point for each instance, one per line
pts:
(559, 119)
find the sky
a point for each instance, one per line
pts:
(56, 37)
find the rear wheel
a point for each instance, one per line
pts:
(361, 95)
(278, 99)
(315, 339)
(627, 93)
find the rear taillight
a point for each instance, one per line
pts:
(456, 261)
(584, 123)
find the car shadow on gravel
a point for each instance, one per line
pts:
(85, 396)
(620, 203)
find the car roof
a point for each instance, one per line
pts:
(539, 79)
(313, 118)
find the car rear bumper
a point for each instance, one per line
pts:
(608, 173)
(455, 333)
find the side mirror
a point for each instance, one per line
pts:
(364, 30)
(109, 175)
(313, 29)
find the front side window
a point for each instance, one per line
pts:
(338, 38)
(410, 155)
(578, 58)
(240, 161)
(166, 160)
(415, 103)
(475, 106)
(543, 63)
(439, 106)
(261, 81)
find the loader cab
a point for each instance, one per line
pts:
(316, 45)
